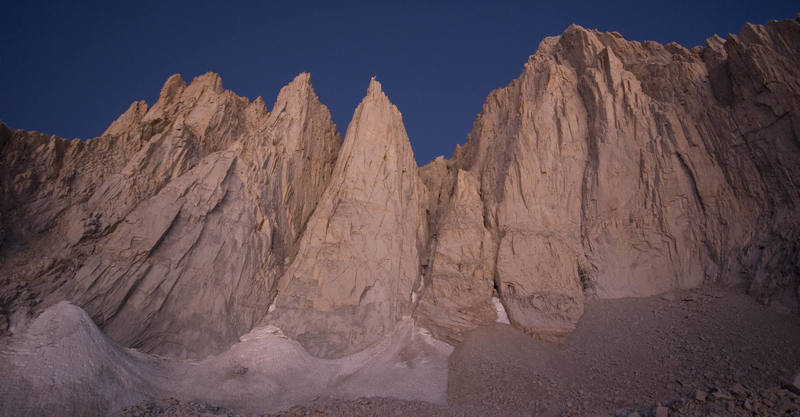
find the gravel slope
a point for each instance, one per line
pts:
(628, 354)
(711, 351)
(642, 355)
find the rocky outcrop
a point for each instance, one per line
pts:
(463, 253)
(617, 168)
(609, 168)
(358, 263)
(173, 233)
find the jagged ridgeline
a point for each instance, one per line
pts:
(609, 168)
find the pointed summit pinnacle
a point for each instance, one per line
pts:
(376, 98)
(296, 94)
(209, 80)
(304, 78)
(374, 87)
(345, 309)
(300, 83)
(172, 87)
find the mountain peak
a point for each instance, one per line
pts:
(374, 87)
(210, 80)
(133, 115)
(296, 93)
(575, 28)
(608, 169)
(301, 84)
(301, 80)
(376, 97)
(172, 87)
(369, 214)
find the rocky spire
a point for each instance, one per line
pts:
(127, 120)
(613, 168)
(358, 261)
(609, 168)
(196, 222)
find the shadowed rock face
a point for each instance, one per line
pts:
(609, 168)
(172, 229)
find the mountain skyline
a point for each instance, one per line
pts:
(622, 211)
(90, 61)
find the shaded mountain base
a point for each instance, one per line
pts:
(64, 365)
(626, 355)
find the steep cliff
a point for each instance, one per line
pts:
(358, 262)
(618, 168)
(172, 228)
(609, 168)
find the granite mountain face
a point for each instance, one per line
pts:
(609, 168)
(173, 228)
(358, 261)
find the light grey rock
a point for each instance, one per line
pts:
(700, 395)
(739, 391)
(171, 230)
(621, 169)
(719, 394)
(458, 294)
(359, 258)
(609, 168)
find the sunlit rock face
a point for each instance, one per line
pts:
(616, 169)
(358, 261)
(609, 168)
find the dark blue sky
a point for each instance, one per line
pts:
(71, 69)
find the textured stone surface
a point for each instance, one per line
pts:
(171, 229)
(460, 286)
(358, 261)
(609, 168)
(618, 168)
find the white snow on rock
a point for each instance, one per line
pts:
(85, 373)
(502, 316)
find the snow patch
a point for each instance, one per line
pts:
(86, 373)
(502, 316)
